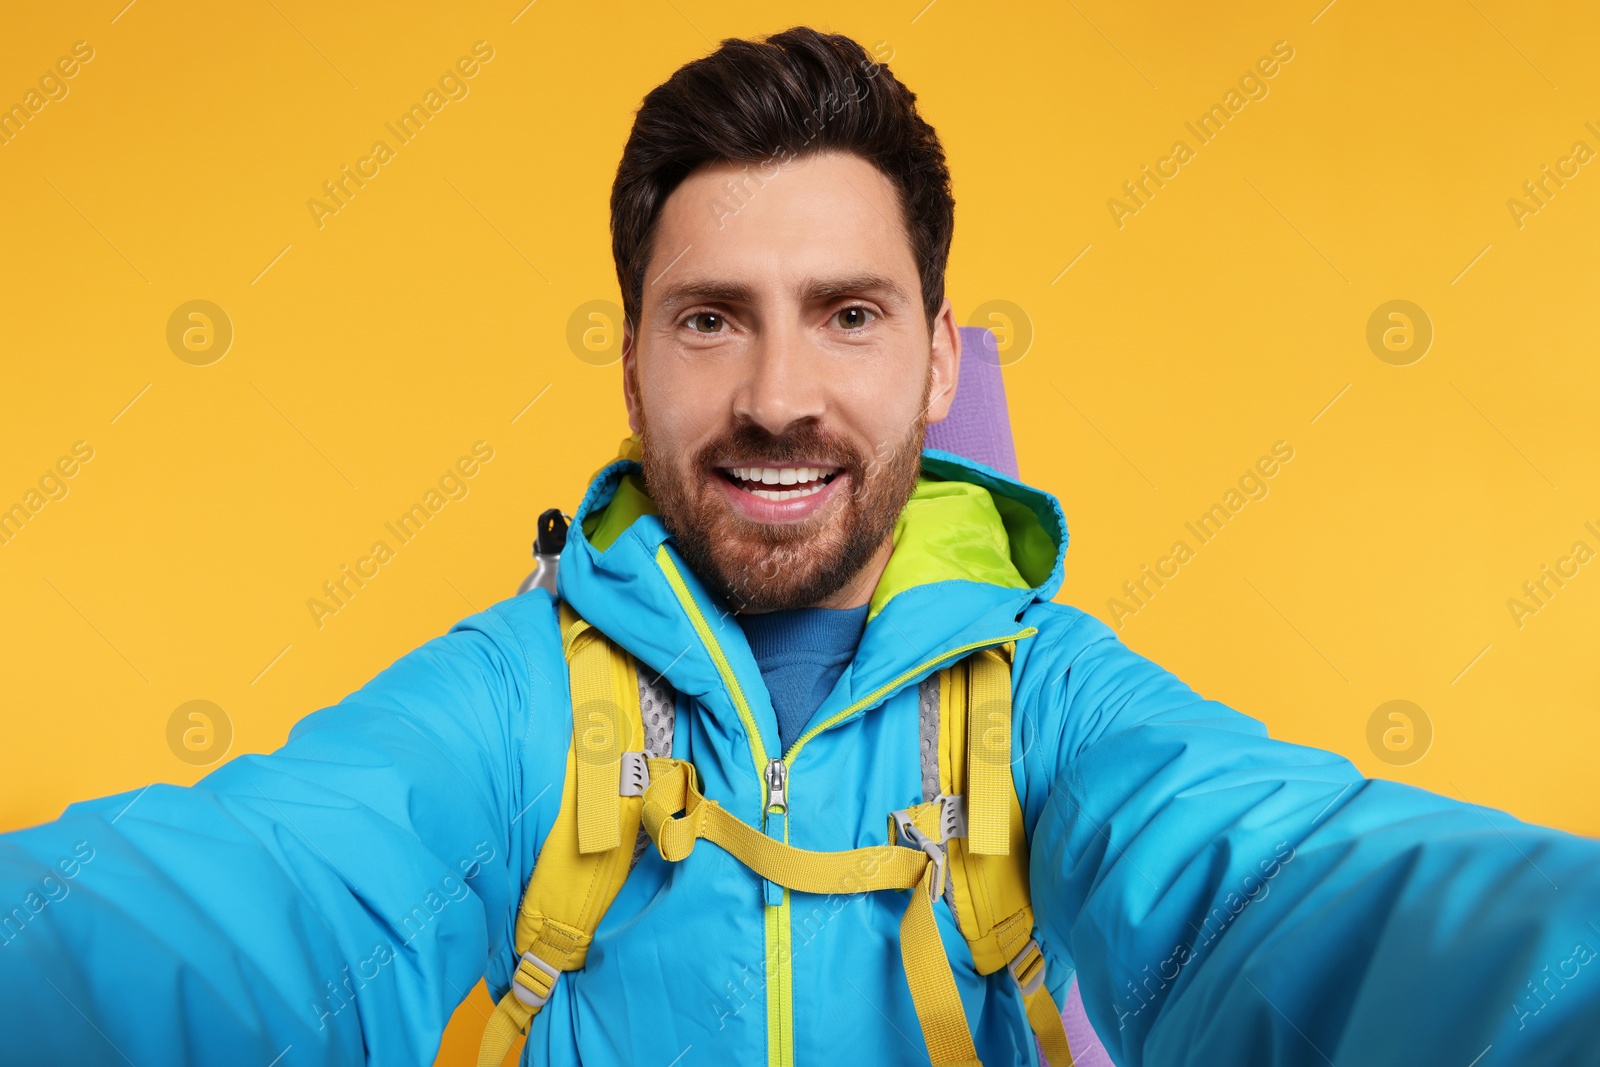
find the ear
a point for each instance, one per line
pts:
(945, 363)
(630, 376)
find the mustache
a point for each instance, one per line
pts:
(809, 444)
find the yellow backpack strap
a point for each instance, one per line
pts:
(605, 721)
(980, 818)
(590, 848)
(989, 788)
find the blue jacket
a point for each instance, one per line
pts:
(1223, 896)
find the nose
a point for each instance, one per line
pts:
(784, 381)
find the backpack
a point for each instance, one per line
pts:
(965, 842)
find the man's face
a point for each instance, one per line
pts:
(781, 377)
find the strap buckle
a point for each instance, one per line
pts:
(1027, 968)
(952, 815)
(909, 830)
(526, 995)
(635, 775)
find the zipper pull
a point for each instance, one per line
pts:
(777, 776)
(777, 787)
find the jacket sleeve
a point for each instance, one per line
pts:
(1230, 898)
(338, 897)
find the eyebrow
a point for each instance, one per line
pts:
(812, 290)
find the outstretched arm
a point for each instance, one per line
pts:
(339, 896)
(1230, 898)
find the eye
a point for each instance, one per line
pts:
(853, 317)
(710, 320)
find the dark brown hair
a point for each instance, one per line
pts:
(788, 96)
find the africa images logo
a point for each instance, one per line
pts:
(452, 85)
(1208, 127)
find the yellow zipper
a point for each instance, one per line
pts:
(780, 992)
(724, 668)
(780, 977)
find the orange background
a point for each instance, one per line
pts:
(1168, 353)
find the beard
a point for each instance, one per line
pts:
(760, 567)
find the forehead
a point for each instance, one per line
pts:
(829, 214)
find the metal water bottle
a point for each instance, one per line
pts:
(547, 545)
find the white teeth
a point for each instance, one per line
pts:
(787, 494)
(811, 477)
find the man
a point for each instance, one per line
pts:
(788, 566)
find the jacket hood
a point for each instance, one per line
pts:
(973, 549)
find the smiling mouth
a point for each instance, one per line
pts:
(780, 483)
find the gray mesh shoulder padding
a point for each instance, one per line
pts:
(928, 715)
(658, 706)
(928, 731)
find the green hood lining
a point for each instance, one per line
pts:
(950, 530)
(603, 527)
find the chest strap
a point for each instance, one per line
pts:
(673, 790)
